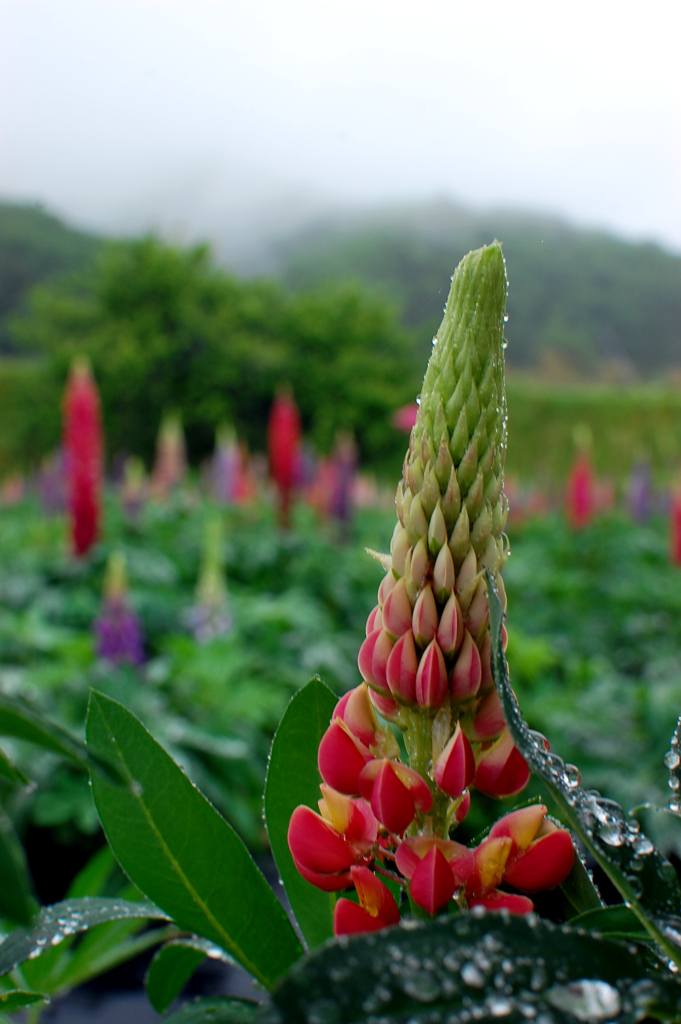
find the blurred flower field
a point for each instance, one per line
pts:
(594, 642)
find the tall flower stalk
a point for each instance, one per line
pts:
(426, 662)
(283, 449)
(83, 453)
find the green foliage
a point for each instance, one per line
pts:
(585, 295)
(163, 328)
(292, 780)
(178, 850)
(171, 969)
(34, 246)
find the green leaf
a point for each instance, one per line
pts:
(218, 1010)
(16, 902)
(10, 772)
(614, 922)
(180, 852)
(54, 924)
(173, 966)
(19, 719)
(293, 779)
(16, 998)
(672, 760)
(643, 876)
(490, 966)
(579, 892)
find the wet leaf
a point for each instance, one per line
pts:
(173, 966)
(218, 1010)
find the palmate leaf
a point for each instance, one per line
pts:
(643, 876)
(489, 966)
(293, 779)
(180, 851)
(56, 923)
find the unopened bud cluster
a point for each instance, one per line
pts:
(426, 660)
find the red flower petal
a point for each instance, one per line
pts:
(502, 770)
(431, 678)
(316, 845)
(391, 801)
(544, 865)
(350, 919)
(374, 895)
(489, 721)
(467, 673)
(455, 767)
(496, 900)
(432, 883)
(522, 826)
(402, 668)
(339, 759)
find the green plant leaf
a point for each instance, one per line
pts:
(492, 966)
(672, 760)
(579, 892)
(643, 876)
(614, 922)
(16, 901)
(19, 719)
(173, 966)
(218, 1010)
(180, 852)
(11, 773)
(293, 779)
(17, 998)
(55, 923)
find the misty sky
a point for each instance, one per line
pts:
(201, 118)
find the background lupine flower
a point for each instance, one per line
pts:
(226, 466)
(117, 628)
(52, 484)
(675, 525)
(283, 449)
(210, 616)
(133, 489)
(426, 659)
(344, 461)
(170, 465)
(581, 495)
(640, 492)
(83, 454)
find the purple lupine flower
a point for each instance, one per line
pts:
(117, 629)
(345, 465)
(640, 492)
(226, 467)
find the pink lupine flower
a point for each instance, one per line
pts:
(83, 453)
(283, 447)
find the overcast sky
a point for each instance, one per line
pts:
(201, 117)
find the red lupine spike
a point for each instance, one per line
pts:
(450, 629)
(490, 860)
(489, 721)
(389, 708)
(356, 710)
(374, 895)
(315, 843)
(402, 668)
(545, 864)
(83, 447)
(467, 672)
(375, 620)
(283, 444)
(373, 658)
(496, 900)
(394, 792)
(425, 618)
(521, 826)
(350, 817)
(431, 678)
(397, 611)
(502, 771)
(432, 883)
(581, 492)
(455, 767)
(340, 758)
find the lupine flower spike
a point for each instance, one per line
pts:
(283, 448)
(426, 663)
(117, 628)
(675, 525)
(170, 465)
(226, 466)
(580, 499)
(210, 616)
(83, 453)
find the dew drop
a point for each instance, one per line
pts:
(586, 1000)
(471, 976)
(672, 759)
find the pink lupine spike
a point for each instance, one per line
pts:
(467, 672)
(521, 826)
(402, 668)
(489, 721)
(450, 628)
(340, 758)
(397, 611)
(502, 770)
(431, 678)
(375, 620)
(377, 907)
(432, 883)
(373, 658)
(283, 446)
(425, 618)
(497, 900)
(545, 864)
(443, 574)
(455, 767)
(83, 453)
